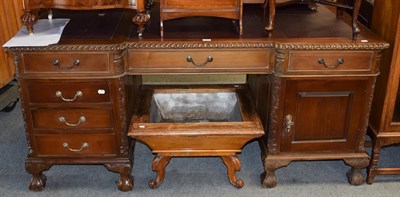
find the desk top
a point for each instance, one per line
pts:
(296, 26)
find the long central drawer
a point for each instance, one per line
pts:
(200, 61)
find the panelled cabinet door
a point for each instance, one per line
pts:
(324, 114)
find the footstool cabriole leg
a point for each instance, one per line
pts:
(232, 164)
(158, 166)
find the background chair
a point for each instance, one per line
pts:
(340, 4)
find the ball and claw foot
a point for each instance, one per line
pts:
(37, 183)
(268, 181)
(125, 184)
(354, 177)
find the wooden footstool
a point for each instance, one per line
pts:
(173, 9)
(195, 122)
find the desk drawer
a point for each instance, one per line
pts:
(200, 61)
(72, 62)
(328, 62)
(69, 92)
(72, 119)
(75, 145)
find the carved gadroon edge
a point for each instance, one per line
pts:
(205, 44)
(331, 46)
(256, 44)
(69, 47)
(197, 44)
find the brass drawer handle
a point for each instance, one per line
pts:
(339, 61)
(56, 62)
(83, 146)
(190, 59)
(82, 119)
(288, 122)
(77, 94)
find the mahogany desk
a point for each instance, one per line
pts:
(311, 83)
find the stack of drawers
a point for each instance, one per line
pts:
(78, 118)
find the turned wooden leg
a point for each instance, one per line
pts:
(38, 181)
(232, 164)
(373, 162)
(141, 19)
(270, 4)
(161, 28)
(356, 10)
(241, 27)
(125, 182)
(158, 166)
(354, 175)
(268, 178)
(29, 19)
(339, 10)
(241, 18)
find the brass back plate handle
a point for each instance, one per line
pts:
(77, 94)
(82, 119)
(83, 146)
(190, 59)
(57, 63)
(339, 61)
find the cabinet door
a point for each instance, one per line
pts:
(324, 114)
